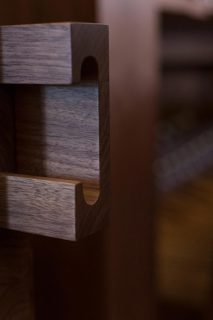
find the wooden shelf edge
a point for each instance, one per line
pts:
(49, 53)
(43, 206)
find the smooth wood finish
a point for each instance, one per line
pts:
(64, 272)
(50, 53)
(16, 284)
(133, 78)
(60, 131)
(47, 206)
(57, 131)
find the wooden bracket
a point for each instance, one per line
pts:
(54, 129)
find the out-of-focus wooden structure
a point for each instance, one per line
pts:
(110, 275)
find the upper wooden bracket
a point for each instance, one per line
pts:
(54, 141)
(51, 53)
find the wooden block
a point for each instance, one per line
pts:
(46, 206)
(57, 131)
(49, 207)
(59, 186)
(50, 53)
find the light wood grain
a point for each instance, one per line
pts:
(61, 132)
(45, 206)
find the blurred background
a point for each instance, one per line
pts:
(155, 260)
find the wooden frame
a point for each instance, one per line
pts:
(55, 130)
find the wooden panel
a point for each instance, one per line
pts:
(49, 207)
(57, 131)
(43, 206)
(60, 132)
(60, 295)
(36, 54)
(47, 53)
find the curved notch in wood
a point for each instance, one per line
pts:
(61, 143)
(89, 80)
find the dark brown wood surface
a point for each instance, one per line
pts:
(68, 278)
(41, 11)
(133, 83)
(79, 277)
(7, 131)
(16, 282)
(16, 267)
(71, 279)
(60, 131)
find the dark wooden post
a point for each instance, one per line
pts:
(133, 80)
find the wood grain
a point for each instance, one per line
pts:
(57, 131)
(49, 53)
(46, 206)
(61, 132)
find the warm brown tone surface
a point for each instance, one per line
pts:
(7, 144)
(129, 253)
(70, 278)
(60, 132)
(51, 53)
(67, 276)
(185, 243)
(42, 11)
(16, 287)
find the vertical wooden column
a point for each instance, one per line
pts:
(133, 80)
(16, 300)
